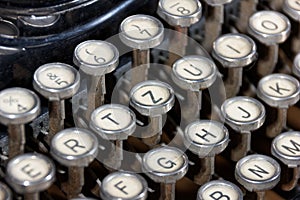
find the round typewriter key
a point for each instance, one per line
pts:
(18, 106)
(292, 9)
(285, 148)
(206, 139)
(214, 19)
(75, 148)
(29, 174)
(219, 189)
(234, 51)
(257, 173)
(113, 122)
(165, 165)
(56, 82)
(270, 28)
(141, 32)
(296, 66)
(122, 186)
(243, 114)
(5, 192)
(279, 91)
(95, 58)
(152, 99)
(194, 74)
(181, 15)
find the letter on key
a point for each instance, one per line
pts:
(123, 186)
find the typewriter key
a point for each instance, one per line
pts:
(243, 114)
(234, 51)
(56, 82)
(165, 165)
(285, 148)
(194, 74)
(5, 193)
(279, 91)
(29, 174)
(292, 9)
(270, 28)
(141, 32)
(257, 173)
(219, 189)
(123, 186)
(75, 148)
(213, 21)
(18, 106)
(296, 66)
(113, 122)
(206, 139)
(152, 99)
(95, 58)
(180, 15)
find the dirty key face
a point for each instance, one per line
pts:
(165, 164)
(141, 31)
(269, 27)
(219, 189)
(74, 147)
(182, 13)
(18, 105)
(152, 97)
(124, 185)
(194, 72)
(206, 138)
(56, 80)
(113, 121)
(257, 172)
(30, 173)
(234, 50)
(279, 90)
(243, 113)
(285, 148)
(96, 57)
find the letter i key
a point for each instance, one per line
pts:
(18, 106)
(206, 139)
(75, 148)
(286, 147)
(243, 114)
(194, 74)
(165, 165)
(152, 99)
(258, 173)
(218, 190)
(29, 174)
(234, 51)
(56, 82)
(124, 186)
(279, 91)
(270, 28)
(113, 122)
(180, 14)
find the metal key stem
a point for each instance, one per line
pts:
(16, 139)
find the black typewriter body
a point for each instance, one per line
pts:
(149, 83)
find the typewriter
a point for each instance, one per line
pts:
(150, 99)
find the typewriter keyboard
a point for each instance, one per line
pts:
(150, 99)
